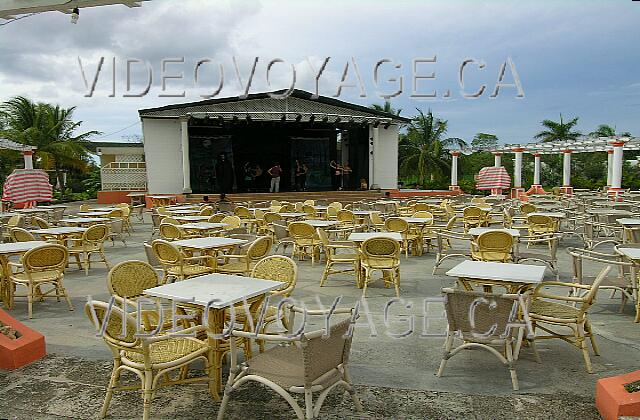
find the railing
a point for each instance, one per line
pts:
(124, 176)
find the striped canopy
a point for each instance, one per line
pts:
(27, 186)
(493, 178)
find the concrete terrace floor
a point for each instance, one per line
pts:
(394, 376)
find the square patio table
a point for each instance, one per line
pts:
(363, 236)
(514, 277)
(203, 226)
(217, 292)
(552, 214)
(477, 231)
(208, 243)
(85, 220)
(187, 219)
(292, 215)
(93, 213)
(629, 221)
(52, 207)
(322, 223)
(33, 210)
(187, 211)
(7, 250)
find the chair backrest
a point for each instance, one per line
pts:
(232, 222)
(99, 313)
(381, 248)
(280, 230)
(151, 257)
(346, 216)
(298, 206)
(324, 351)
(130, 278)
(270, 217)
(116, 213)
(275, 203)
(332, 212)
(451, 223)
(217, 218)
(286, 208)
(123, 205)
(116, 225)
(482, 317)
(21, 235)
(96, 233)
(166, 252)
(309, 210)
(169, 220)
(260, 248)
(226, 207)
(421, 207)
(309, 202)
(375, 218)
(206, 211)
(301, 230)
(527, 208)
(162, 211)
(324, 239)
(472, 212)
(17, 220)
(46, 258)
(540, 222)
(58, 214)
(336, 204)
(423, 214)
(277, 268)
(40, 222)
(495, 241)
(242, 212)
(170, 232)
(85, 207)
(396, 224)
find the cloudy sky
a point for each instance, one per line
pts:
(579, 58)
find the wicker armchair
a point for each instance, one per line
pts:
(39, 267)
(380, 254)
(483, 320)
(21, 235)
(232, 222)
(171, 232)
(527, 208)
(151, 359)
(116, 230)
(217, 218)
(540, 225)
(349, 256)
(473, 216)
(545, 250)
(39, 223)
(549, 310)
(281, 235)
(448, 243)
(85, 207)
(206, 211)
(409, 238)
(266, 228)
(495, 246)
(306, 242)
(242, 264)
(178, 266)
(312, 362)
(91, 242)
(15, 221)
(310, 212)
(376, 223)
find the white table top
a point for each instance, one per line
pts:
(632, 253)
(610, 211)
(417, 220)
(59, 230)
(107, 209)
(12, 247)
(162, 196)
(52, 206)
(629, 221)
(480, 230)
(140, 194)
(322, 223)
(183, 211)
(363, 236)
(362, 212)
(192, 218)
(203, 225)
(292, 214)
(553, 214)
(93, 213)
(209, 243)
(516, 273)
(85, 220)
(216, 290)
(320, 207)
(33, 210)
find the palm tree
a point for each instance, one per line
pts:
(423, 149)
(603, 130)
(51, 129)
(386, 108)
(558, 131)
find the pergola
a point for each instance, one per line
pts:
(27, 151)
(11, 8)
(614, 147)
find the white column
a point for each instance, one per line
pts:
(373, 145)
(536, 169)
(497, 159)
(186, 165)
(454, 168)
(566, 169)
(609, 166)
(616, 172)
(517, 168)
(28, 159)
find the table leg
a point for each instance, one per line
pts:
(216, 326)
(5, 285)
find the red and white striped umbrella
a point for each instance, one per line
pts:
(27, 186)
(493, 177)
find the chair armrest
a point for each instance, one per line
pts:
(264, 337)
(174, 334)
(200, 257)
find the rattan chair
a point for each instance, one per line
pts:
(311, 362)
(540, 225)
(151, 359)
(281, 235)
(550, 310)
(482, 321)
(495, 246)
(305, 240)
(217, 218)
(21, 235)
(151, 257)
(452, 245)
(39, 223)
(541, 248)
(15, 221)
(473, 216)
(409, 238)
(116, 230)
(527, 208)
(242, 264)
(380, 254)
(232, 222)
(376, 222)
(206, 211)
(171, 232)
(40, 267)
(91, 242)
(177, 266)
(85, 207)
(348, 256)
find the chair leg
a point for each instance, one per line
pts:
(30, 292)
(352, 391)
(308, 403)
(511, 366)
(115, 374)
(447, 349)
(87, 262)
(592, 338)
(396, 282)
(325, 274)
(62, 291)
(147, 393)
(580, 343)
